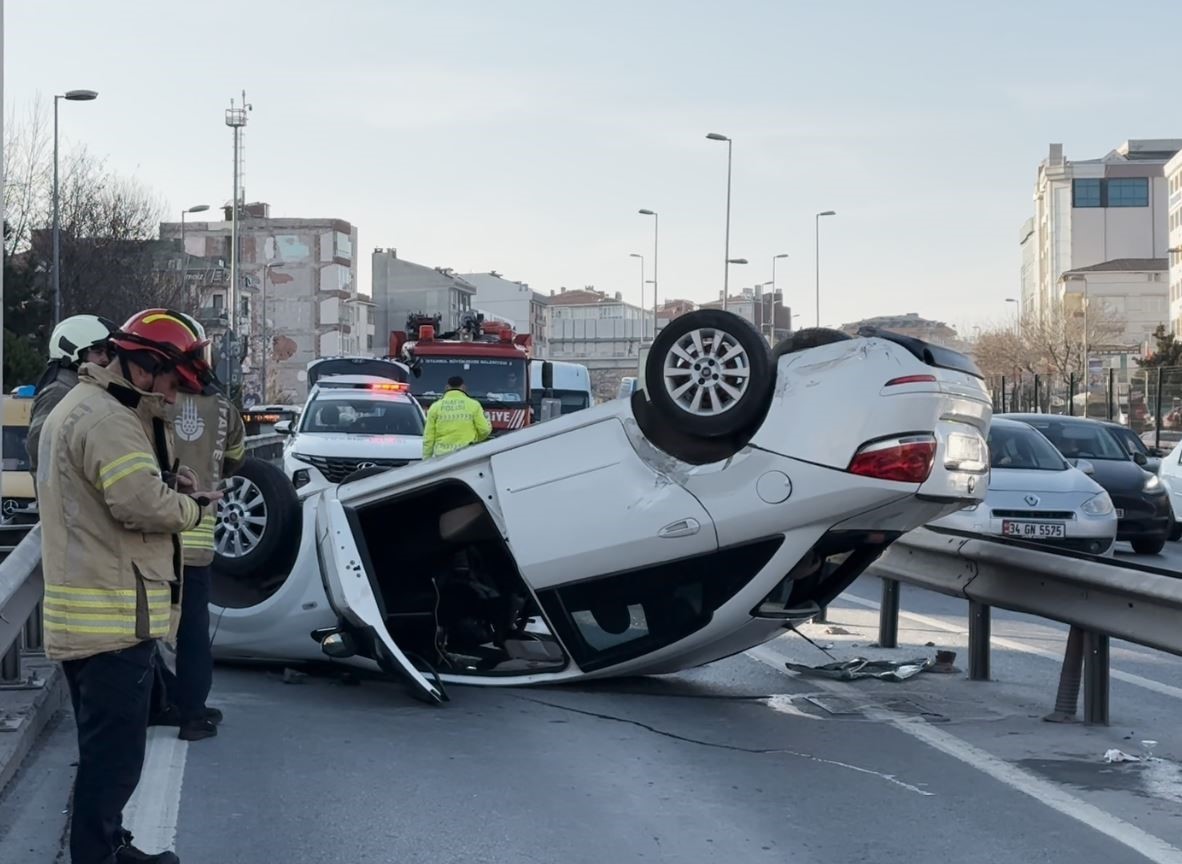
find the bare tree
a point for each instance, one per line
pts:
(1053, 345)
(110, 263)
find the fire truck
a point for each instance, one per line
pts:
(488, 355)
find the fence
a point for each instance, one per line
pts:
(1148, 401)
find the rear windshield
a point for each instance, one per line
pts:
(1083, 441)
(363, 417)
(1015, 447)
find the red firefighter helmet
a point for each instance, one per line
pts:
(167, 336)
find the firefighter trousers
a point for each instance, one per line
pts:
(111, 694)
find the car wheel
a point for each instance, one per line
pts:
(1149, 546)
(259, 522)
(709, 375)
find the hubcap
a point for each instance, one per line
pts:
(242, 519)
(707, 372)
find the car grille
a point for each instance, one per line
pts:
(337, 469)
(1033, 514)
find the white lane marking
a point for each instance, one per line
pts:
(1127, 677)
(1153, 848)
(151, 814)
(785, 703)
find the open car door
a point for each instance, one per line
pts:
(350, 593)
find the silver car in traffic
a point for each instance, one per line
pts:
(1036, 495)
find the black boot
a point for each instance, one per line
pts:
(129, 854)
(197, 730)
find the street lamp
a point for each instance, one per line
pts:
(776, 258)
(69, 96)
(656, 238)
(196, 208)
(817, 233)
(726, 254)
(642, 284)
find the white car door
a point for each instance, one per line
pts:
(351, 594)
(583, 504)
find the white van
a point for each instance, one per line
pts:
(572, 385)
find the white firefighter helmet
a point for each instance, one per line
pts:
(76, 335)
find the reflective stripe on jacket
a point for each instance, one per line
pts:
(454, 422)
(109, 524)
(211, 441)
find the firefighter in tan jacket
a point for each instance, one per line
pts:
(111, 517)
(211, 441)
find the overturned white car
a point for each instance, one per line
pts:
(739, 490)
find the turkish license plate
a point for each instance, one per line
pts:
(1034, 530)
(1120, 513)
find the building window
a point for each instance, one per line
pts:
(1085, 193)
(369, 342)
(1128, 192)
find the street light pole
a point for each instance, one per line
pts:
(656, 240)
(817, 233)
(641, 257)
(775, 258)
(726, 254)
(196, 208)
(70, 96)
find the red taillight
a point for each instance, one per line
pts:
(912, 379)
(906, 460)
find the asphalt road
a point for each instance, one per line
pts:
(740, 761)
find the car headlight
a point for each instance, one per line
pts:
(301, 478)
(1152, 483)
(301, 457)
(1098, 505)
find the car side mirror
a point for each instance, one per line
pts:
(1085, 466)
(283, 427)
(1140, 458)
(547, 375)
(338, 644)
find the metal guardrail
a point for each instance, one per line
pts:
(21, 586)
(1098, 598)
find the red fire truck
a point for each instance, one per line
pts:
(488, 355)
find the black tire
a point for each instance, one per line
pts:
(278, 537)
(1149, 545)
(703, 376)
(1176, 532)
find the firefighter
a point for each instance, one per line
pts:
(454, 422)
(77, 340)
(114, 503)
(210, 440)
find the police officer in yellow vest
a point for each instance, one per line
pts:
(454, 422)
(210, 440)
(113, 503)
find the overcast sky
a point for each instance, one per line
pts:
(523, 136)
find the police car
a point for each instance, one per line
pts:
(360, 416)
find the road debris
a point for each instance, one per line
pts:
(860, 668)
(1115, 755)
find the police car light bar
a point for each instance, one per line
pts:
(396, 387)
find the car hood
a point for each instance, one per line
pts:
(1119, 475)
(341, 445)
(1027, 480)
